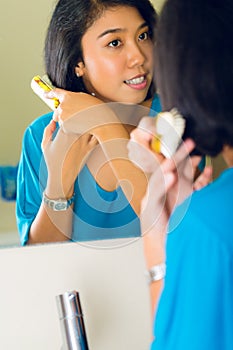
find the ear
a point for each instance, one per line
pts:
(79, 69)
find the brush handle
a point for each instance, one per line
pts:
(39, 86)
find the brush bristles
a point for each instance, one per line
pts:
(169, 130)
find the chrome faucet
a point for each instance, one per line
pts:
(71, 321)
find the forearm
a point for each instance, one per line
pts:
(154, 252)
(113, 140)
(51, 226)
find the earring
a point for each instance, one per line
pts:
(78, 75)
(93, 94)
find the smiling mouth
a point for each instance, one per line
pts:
(135, 81)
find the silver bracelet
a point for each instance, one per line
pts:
(156, 273)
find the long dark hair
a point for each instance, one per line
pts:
(194, 68)
(69, 22)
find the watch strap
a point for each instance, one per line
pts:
(156, 273)
(59, 204)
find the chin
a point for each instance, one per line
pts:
(134, 99)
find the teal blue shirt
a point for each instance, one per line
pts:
(98, 214)
(195, 311)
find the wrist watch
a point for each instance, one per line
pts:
(60, 204)
(156, 273)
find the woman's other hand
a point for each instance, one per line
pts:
(139, 149)
(168, 186)
(65, 155)
(204, 178)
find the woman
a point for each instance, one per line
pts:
(196, 307)
(91, 47)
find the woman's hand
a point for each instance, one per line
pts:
(168, 186)
(65, 156)
(82, 113)
(150, 162)
(139, 149)
(71, 103)
(204, 178)
(171, 180)
(141, 154)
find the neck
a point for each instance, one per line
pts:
(147, 103)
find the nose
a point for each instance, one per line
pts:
(136, 56)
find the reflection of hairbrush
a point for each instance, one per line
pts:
(169, 130)
(40, 86)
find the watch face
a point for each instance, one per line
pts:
(60, 206)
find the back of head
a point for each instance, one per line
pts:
(195, 68)
(69, 22)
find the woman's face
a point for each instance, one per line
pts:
(118, 56)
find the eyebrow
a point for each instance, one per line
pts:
(118, 30)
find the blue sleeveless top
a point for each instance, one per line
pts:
(98, 214)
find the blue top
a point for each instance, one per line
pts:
(195, 311)
(98, 214)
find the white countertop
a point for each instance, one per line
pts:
(112, 286)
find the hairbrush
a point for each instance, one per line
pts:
(40, 86)
(169, 130)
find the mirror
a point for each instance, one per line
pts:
(22, 33)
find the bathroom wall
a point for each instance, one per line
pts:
(22, 30)
(158, 4)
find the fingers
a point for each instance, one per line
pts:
(181, 154)
(144, 132)
(56, 114)
(160, 183)
(56, 93)
(140, 136)
(167, 187)
(63, 141)
(184, 150)
(142, 156)
(77, 107)
(204, 178)
(154, 207)
(48, 133)
(139, 149)
(147, 124)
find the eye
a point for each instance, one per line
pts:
(144, 36)
(115, 43)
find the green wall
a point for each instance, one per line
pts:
(22, 30)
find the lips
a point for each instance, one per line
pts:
(135, 81)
